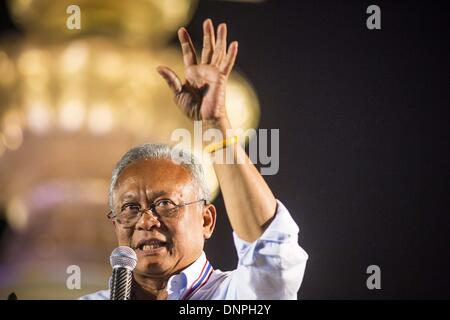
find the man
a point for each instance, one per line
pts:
(160, 205)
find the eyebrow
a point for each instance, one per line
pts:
(132, 195)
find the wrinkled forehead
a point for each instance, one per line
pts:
(153, 178)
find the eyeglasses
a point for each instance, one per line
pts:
(130, 213)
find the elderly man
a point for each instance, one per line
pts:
(160, 205)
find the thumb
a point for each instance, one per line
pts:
(171, 78)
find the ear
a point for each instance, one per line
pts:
(209, 221)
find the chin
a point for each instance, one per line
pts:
(154, 265)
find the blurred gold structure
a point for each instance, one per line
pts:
(71, 103)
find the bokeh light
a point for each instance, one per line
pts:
(71, 103)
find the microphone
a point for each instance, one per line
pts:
(123, 261)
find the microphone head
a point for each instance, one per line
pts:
(123, 257)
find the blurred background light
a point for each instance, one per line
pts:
(72, 102)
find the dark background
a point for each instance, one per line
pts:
(363, 119)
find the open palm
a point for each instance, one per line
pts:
(202, 95)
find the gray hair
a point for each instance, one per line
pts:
(161, 151)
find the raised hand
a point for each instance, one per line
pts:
(202, 95)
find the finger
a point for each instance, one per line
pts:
(221, 44)
(187, 47)
(208, 41)
(171, 78)
(228, 63)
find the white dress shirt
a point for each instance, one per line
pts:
(271, 267)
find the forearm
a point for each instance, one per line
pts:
(249, 202)
(248, 199)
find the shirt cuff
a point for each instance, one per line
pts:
(282, 229)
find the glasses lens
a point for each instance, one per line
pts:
(165, 208)
(128, 215)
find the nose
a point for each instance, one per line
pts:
(147, 221)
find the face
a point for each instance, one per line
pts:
(164, 245)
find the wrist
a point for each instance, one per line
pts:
(222, 127)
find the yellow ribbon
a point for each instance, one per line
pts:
(220, 145)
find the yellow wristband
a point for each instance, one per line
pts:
(220, 145)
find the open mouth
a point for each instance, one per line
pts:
(150, 246)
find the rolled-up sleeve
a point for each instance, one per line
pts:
(272, 267)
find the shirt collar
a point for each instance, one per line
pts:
(191, 278)
(183, 284)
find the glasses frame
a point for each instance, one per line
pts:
(152, 208)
